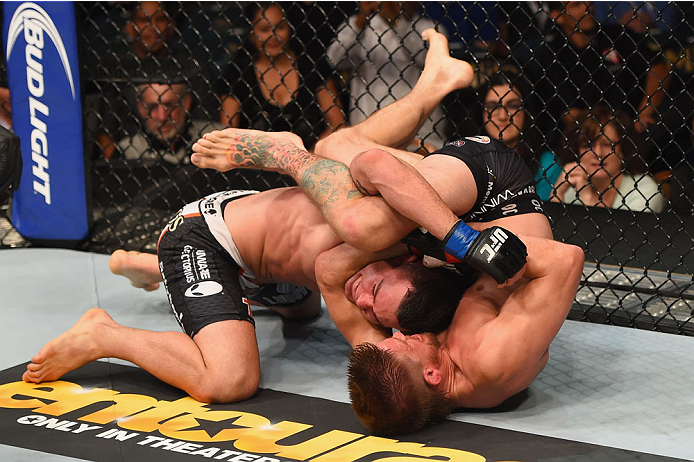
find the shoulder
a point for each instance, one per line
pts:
(641, 181)
(133, 146)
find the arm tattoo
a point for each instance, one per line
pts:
(326, 182)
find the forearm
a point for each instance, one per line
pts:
(333, 269)
(560, 264)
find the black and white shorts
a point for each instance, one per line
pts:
(204, 275)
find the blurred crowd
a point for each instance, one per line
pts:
(595, 96)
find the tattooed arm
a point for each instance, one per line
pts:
(367, 223)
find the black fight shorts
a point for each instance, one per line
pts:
(505, 185)
(202, 279)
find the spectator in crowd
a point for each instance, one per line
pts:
(315, 24)
(149, 34)
(506, 115)
(595, 161)
(5, 108)
(167, 131)
(272, 86)
(150, 29)
(582, 63)
(382, 48)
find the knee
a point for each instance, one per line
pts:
(236, 386)
(371, 160)
(331, 143)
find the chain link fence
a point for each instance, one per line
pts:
(595, 97)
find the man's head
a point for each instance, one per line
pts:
(164, 109)
(395, 386)
(402, 293)
(573, 16)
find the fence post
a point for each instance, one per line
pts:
(40, 40)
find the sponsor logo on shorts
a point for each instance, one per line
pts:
(458, 143)
(209, 205)
(195, 266)
(479, 139)
(175, 222)
(509, 209)
(204, 289)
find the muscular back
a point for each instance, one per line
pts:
(279, 234)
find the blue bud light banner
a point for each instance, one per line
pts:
(43, 73)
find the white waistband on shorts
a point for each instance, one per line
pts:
(210, 207)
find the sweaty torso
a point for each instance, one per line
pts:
(279, 234)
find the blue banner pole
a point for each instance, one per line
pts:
(40, 40)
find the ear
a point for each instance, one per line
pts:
(187, 101)
(432, 375)
(409, 258)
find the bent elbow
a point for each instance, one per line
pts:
(574, 259)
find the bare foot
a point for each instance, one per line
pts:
(142, 269)
(440, 68)
(230, 148)
(72, 349)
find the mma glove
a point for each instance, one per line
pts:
(496, 251)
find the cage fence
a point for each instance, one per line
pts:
(596, 97)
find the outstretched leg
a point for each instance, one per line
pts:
(204, 366)
(142, 269)
(396, 125)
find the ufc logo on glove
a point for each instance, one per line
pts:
(497, 238)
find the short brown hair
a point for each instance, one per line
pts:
(430, 304)
(385, 394)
